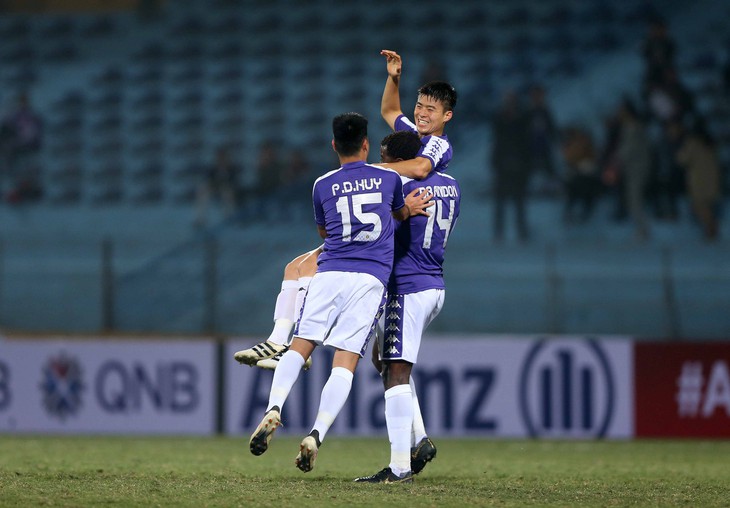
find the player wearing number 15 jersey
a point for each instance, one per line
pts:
(354, 208)
(353, 205)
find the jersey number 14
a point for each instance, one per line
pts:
(436, 218)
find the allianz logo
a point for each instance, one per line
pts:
(567, 389)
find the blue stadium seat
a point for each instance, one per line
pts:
(22, 53)
(110, 123)
(98, 27)
(17, 28)
(146, 75)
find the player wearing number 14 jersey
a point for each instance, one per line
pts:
(416, 287)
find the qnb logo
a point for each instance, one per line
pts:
(62, 386)
(566, 389)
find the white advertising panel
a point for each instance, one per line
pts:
(498, 386)
(107, 386)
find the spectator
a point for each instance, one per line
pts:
(634, 154)
(297, 169)
(669, 99)
(667, 181)
(296, 182)
(542, 132)
(269, 178)
(510, 164)
(609, 168)
(582, 184)
(698, 156)
(658, 51)
(221, 181)
(22, 139)
(6, 138)
(27, 188)
(269, 169)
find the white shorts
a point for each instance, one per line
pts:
(404, 320)
(341, 309)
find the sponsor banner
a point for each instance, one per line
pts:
(107, 386)
(499, 386)
(682, 390)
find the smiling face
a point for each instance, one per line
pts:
(430, 116)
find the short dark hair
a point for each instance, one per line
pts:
(349, 131)
(401, 144)
(440, 91)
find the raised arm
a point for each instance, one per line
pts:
(390, 103)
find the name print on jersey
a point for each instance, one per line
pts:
(363, 184)
(441, 191)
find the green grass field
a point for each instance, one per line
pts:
(127, 471)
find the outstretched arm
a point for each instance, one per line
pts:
(390, 103)
(417, 168)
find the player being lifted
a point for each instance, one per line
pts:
(353, 207)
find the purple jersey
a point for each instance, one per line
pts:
(354, 204)
(420, 241)
(437, 149)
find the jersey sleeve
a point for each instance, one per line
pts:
(437, 150)
(318, 209)
(398, 199)
(402, 123)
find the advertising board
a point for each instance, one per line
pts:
(107, 386)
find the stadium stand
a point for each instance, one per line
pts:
(134, 108)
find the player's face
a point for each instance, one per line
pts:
(385, 156)
(430, 116)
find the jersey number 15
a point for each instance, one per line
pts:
(364, 218)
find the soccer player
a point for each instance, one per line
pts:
(353, 206)
(300, 270)
(416, 286)
(434, 108)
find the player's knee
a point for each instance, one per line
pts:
(291, 270)
(396, 373)
(307, 267)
